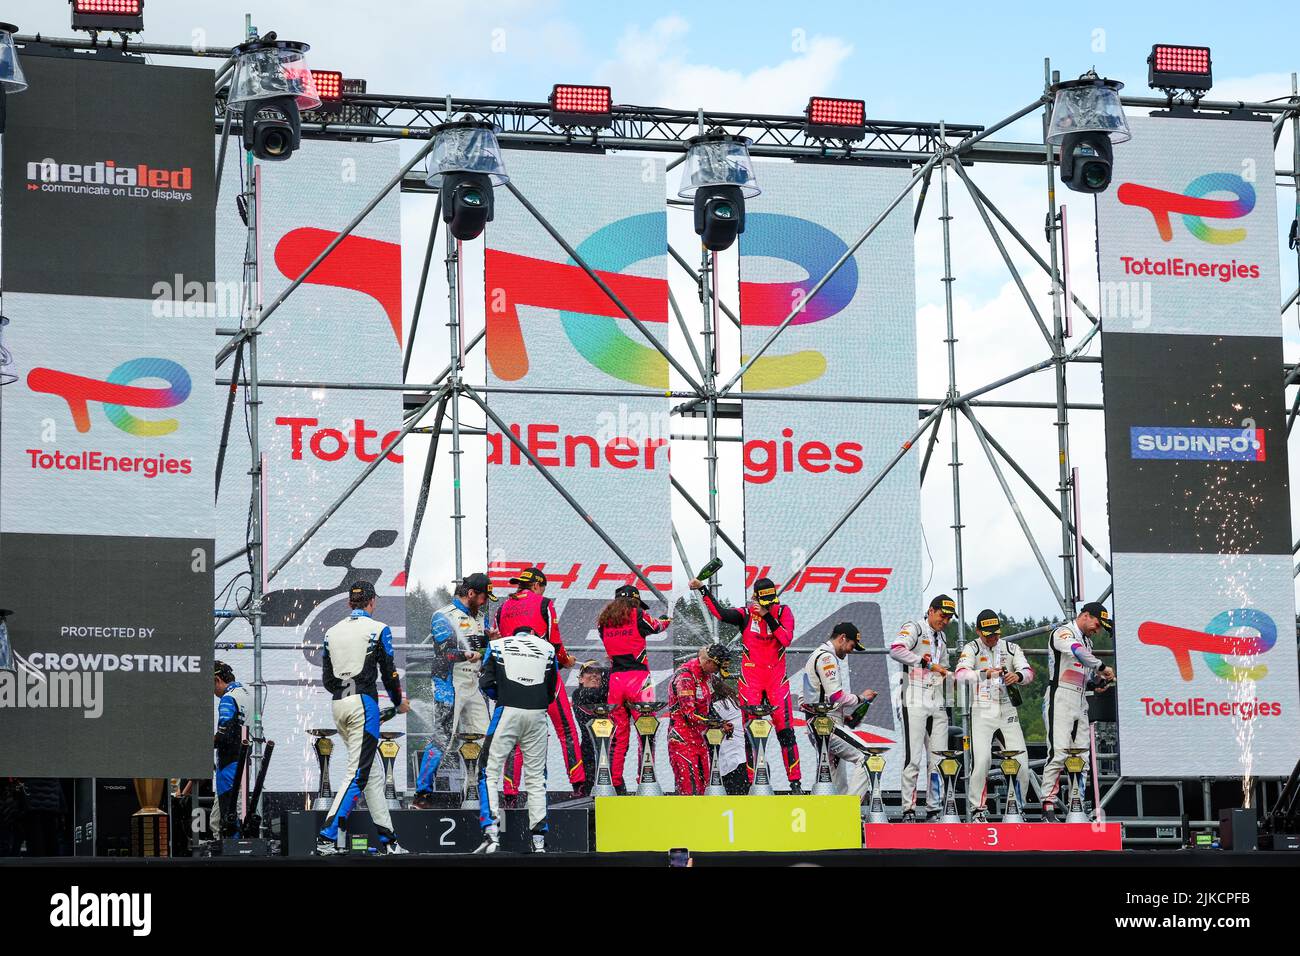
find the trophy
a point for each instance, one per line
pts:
(6, 648)
(602, 728)
(823, 725)
(324, 798)
(1010, 771)
(1074, 766)
(388, 754)
(149, 823)
(875, 769)
(949, 767)
(647, 725)
(760, 729)
(714, 733)
(470, 751)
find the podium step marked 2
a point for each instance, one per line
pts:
(718, 824)
(992, 836)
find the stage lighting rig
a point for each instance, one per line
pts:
(589, 106)
(110, 16)
(1087, 120)
(719, 174)
(829, 118)
(1173, 68)
(273, 84)
(464, 166)
(11, 71)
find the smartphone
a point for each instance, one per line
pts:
(679, 856)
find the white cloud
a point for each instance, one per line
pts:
(652, 66)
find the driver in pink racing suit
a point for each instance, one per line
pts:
(623, 625)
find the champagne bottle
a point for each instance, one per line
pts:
(858, 714)
(709, 570)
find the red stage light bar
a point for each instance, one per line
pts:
(1179, 68)
(119, 16)
(835, 118)
(329, 85)
(581, 105)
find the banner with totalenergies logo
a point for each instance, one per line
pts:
(107, 422)
(550, 326)
(1196, 453)
(342, 325)
(806, 462)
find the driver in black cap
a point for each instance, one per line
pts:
(826, 681)
(922, 649)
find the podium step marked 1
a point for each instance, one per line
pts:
(992, 836)
(719, 824)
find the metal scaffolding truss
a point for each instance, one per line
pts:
(939, 152)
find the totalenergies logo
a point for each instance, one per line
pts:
(1222, 638)
(590, 319)
(118, 392)
(1194, 208)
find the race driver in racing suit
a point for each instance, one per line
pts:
(766, 630)
(527, 608)
(923, 651)
(623, 625)
(990, 665)
(826, 679)
(690, 698)
(459, 640)
(1070, 663)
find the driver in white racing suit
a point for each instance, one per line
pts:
(826, 679)
(922, 649)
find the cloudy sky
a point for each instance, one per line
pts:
(909, 62)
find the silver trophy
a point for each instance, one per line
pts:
(760, 730)
(6, 648)
(324, 798)
(388, 754)
(823, 725)
(1074, 766)
(875, 771)
(647, 725)
(1010, 771)
(714, 734)
(602, 729)
(470, 753)
(949, 767)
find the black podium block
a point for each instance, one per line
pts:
(1238, 830)
(446, 831)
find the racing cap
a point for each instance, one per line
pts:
(361, 591)
(850, 630)
(944, 603)
(1098, 610)
(529, 577)
(720, 654)
(590, 667)
(988, 622)
(632, 594)
(479, 582)
(765, 591)
(224, 671)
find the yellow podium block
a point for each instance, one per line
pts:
(703, 824)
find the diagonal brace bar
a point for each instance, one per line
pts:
(705, 516)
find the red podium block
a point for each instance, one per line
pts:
(991, 836)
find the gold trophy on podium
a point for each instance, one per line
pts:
(714, 734)
(759, 729)
(470, 751)
(602, 729)
(1075, 766)
(324, 747)
(875, 771)
(149, 823)
(1010, 771)
(949, 767)
(823, 725)
(647, 725)
(388, 754)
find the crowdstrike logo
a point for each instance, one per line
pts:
(1194, 207)
(1240, 632)
(118, 392)
(1197, 444)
